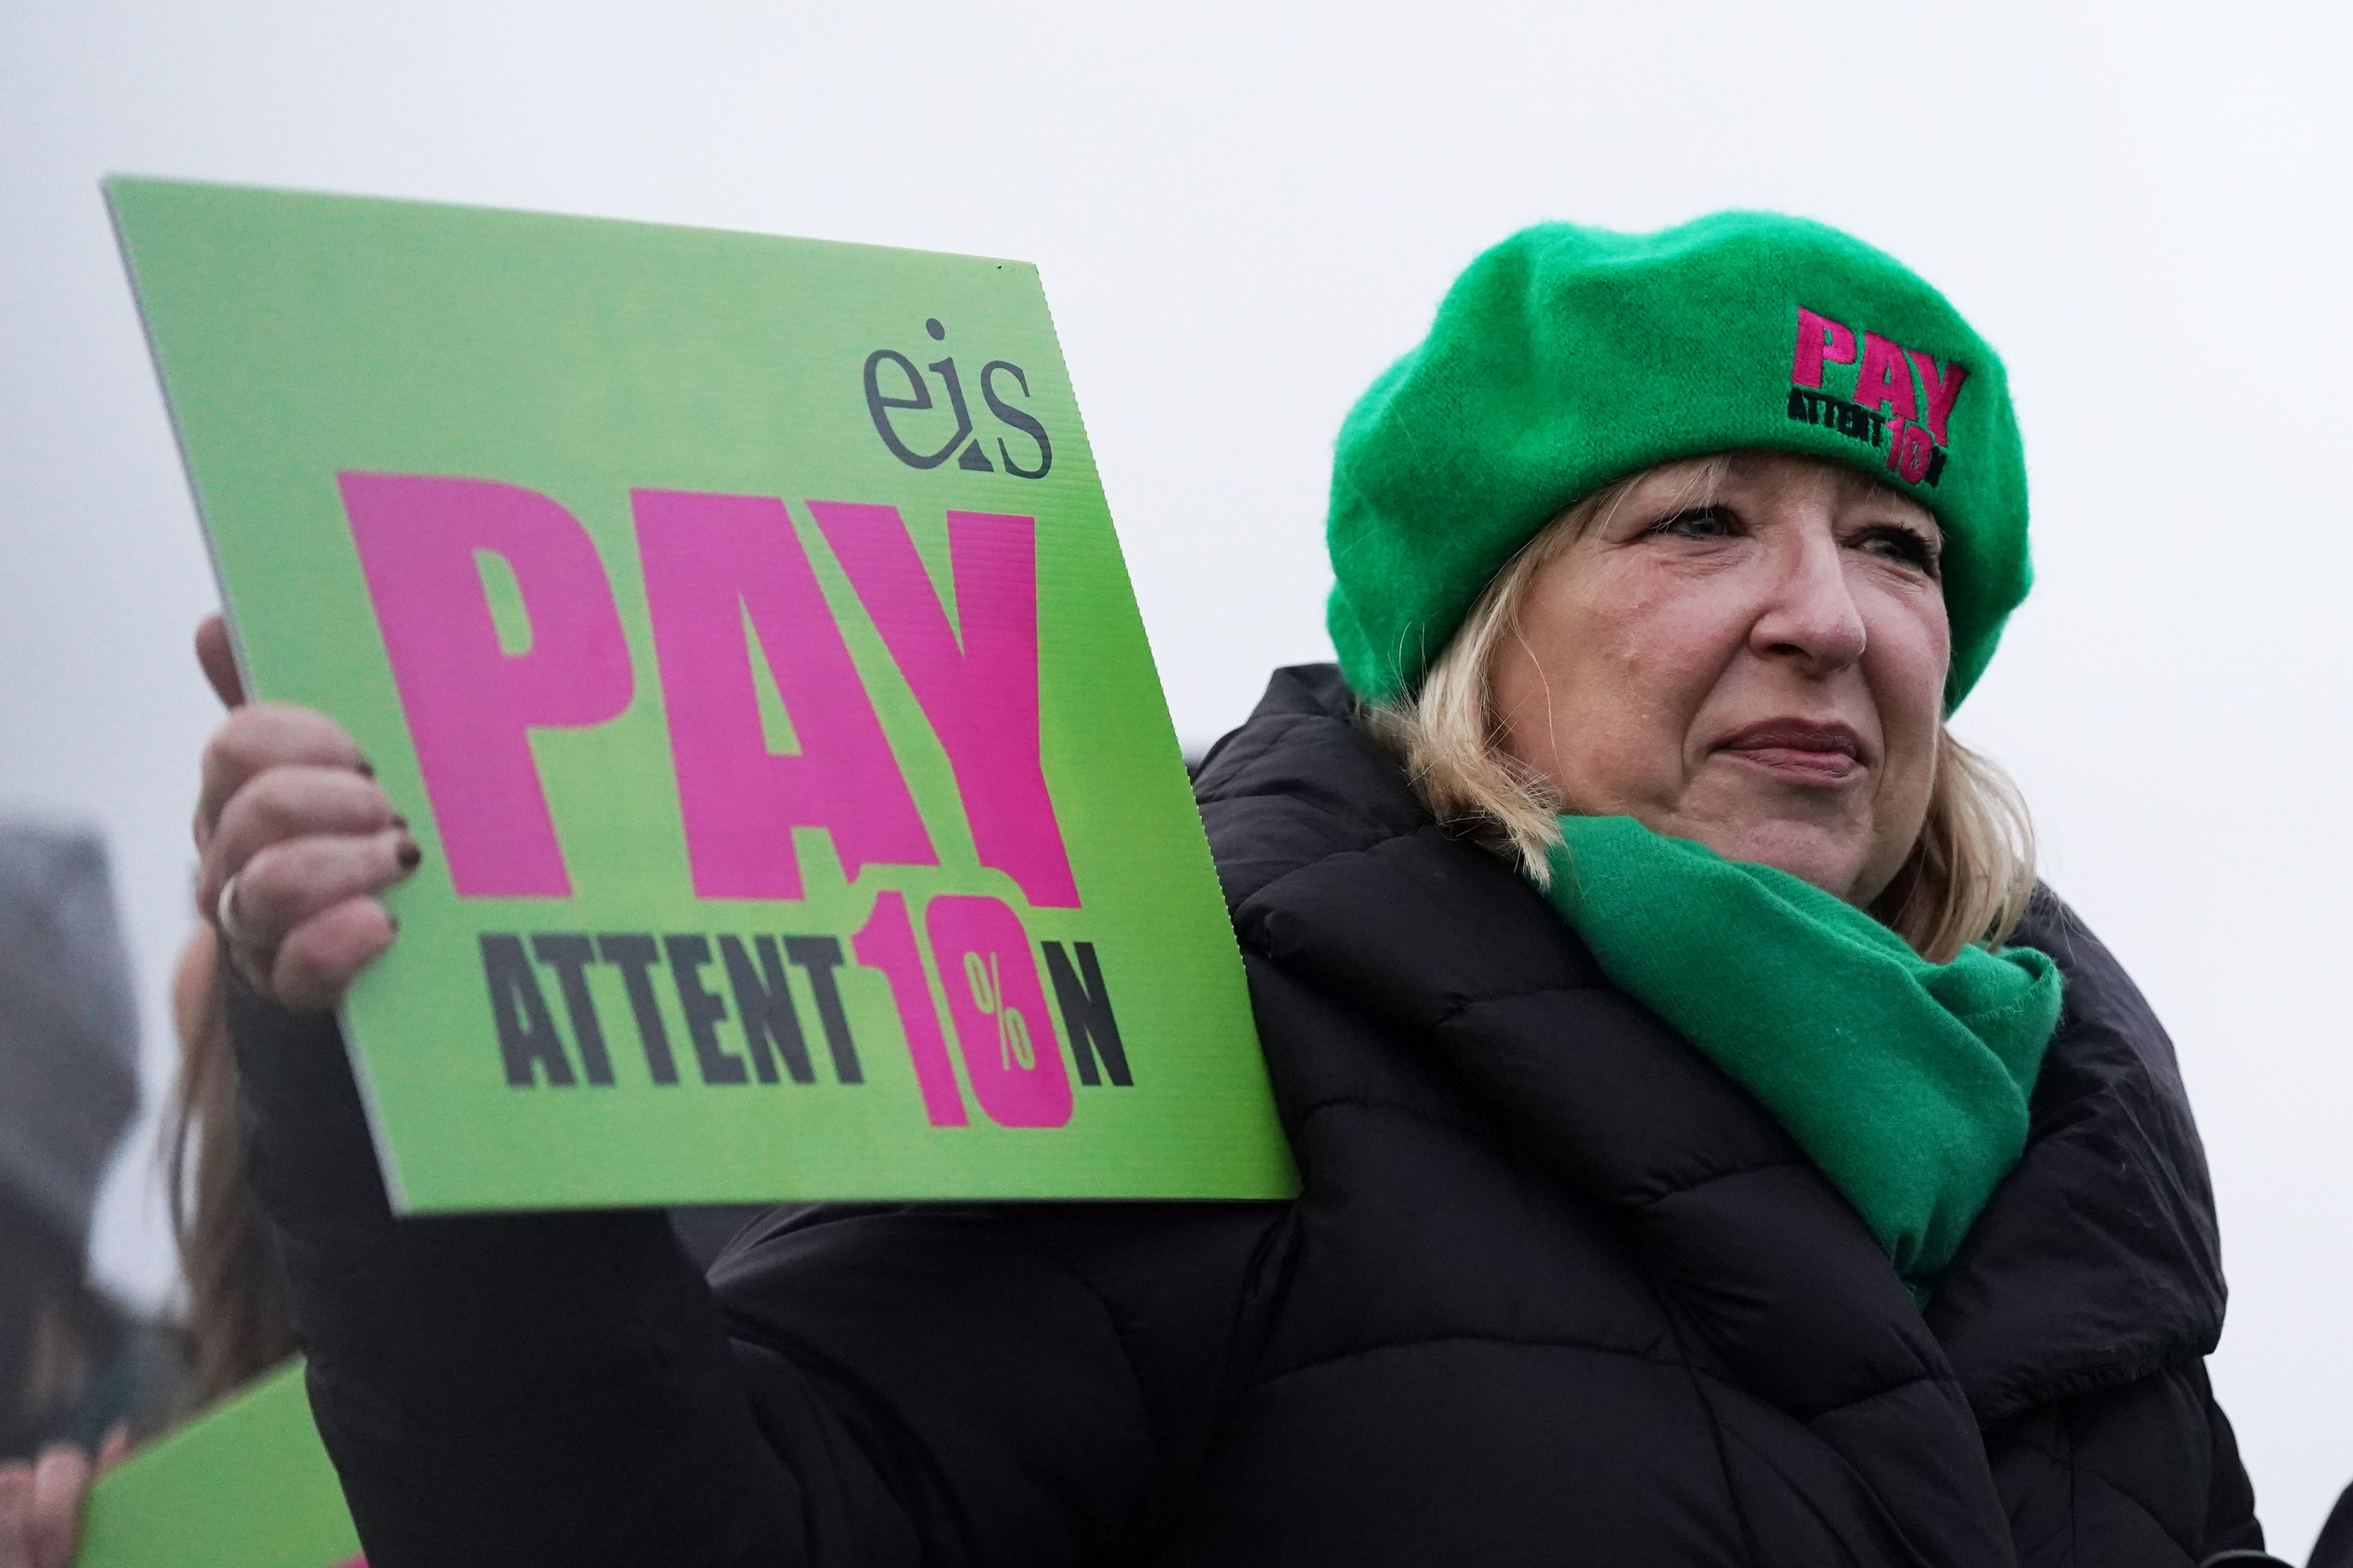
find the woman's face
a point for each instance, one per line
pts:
(1760, 669)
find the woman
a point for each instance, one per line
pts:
(1713, 1150)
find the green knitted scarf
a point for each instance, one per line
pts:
(1906, 1081)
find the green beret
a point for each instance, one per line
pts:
(1567, 357)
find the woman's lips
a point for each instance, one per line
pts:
(1798, 749)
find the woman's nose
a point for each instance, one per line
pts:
(1809, 614)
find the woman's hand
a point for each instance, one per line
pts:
(40, 1503)
(296, 839)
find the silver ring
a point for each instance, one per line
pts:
(224, 916)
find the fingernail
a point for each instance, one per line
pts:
(409, 854)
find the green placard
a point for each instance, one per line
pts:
(739, 624)
(250, 1486)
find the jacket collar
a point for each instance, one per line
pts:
(2098, 1259)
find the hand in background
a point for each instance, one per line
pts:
(41, 1503)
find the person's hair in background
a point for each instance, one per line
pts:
(237, 1325)
(1968, 879)
(73, 1365)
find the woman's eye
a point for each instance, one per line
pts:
(1700, 522)
(1902, 544)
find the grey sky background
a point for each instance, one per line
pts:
(1242, 212)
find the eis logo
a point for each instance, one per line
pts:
(1886, 409)
(889, 405)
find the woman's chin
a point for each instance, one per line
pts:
(1830, 858)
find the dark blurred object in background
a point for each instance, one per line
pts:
(73, 1365)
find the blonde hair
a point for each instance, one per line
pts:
(1968, 876)
(239, 1322)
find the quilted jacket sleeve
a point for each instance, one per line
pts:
(858, 1387)
(2143, 1473)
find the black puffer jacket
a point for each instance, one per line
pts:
(1555, 1291)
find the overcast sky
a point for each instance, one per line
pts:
(1241, 214)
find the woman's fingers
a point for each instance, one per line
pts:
(297, 839)
(320, 958)
(290, 882)
(60, 1483)
(214, 658)
(287, 803)
(259, 737)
